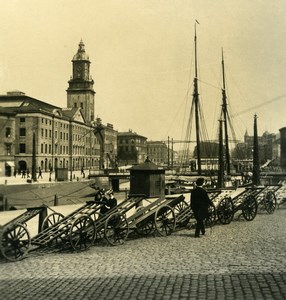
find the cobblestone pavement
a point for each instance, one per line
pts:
(242, 260)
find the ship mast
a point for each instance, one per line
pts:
(220, 180)
(196, 103)
(225, 118)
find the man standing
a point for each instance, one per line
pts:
(200, 203)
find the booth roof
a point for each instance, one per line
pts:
(145, 166)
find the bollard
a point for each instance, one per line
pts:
(6, 181)
(56, 200)
(42, 215)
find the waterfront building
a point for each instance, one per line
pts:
(132, 148)
(64, 137)
(157, 152)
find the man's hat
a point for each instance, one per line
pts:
(200, 181)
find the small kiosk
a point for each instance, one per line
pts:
(147, 179)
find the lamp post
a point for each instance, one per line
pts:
(34, 175)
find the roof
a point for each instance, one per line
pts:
(81, 55)
(130, 134)
(15, 104)
(147, 165)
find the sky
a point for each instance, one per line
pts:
(142, 59)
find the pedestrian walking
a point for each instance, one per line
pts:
(200, 203)
(40, 173)
(23, 173)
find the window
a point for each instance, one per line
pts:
(42, 132)
(22, 120)
(50, 149)
(8, 149)
(75, 104)
(42, 148)
(50, 133)
(56, 134)
(46, 148)
(8, 132)
(81, 105)
(46, 133)
(22, 131)
(22, 148)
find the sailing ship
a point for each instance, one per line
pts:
(220, 151)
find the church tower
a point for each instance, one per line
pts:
(80, 92)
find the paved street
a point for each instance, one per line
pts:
(242, 260)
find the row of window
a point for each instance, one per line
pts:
(47, 149)
(131, 141)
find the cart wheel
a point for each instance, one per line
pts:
(165, 220)
(82, 233)
(51, 219)
(15, 242)
(211, 218)
(116, 229)
(270, 202)
(183, 213)
(145, 227)
(225, 210)
(249, 208)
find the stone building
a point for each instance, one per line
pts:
(64, 137)
(132, 148)
(157, 152)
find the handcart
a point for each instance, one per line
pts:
(15, 236)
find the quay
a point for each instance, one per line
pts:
(242, 260)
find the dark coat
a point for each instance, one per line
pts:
(200, 201)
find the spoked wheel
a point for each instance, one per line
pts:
(165, 220)
(15, 242)
(82, 233)
(249, 208)
(225, 210)
(183, 213)
(116, 229)
(270, 202)
(51, 220)
(145, 227)
(211, 218)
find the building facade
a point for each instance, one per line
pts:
(132, 148)
(64, 137)
(157, 152)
